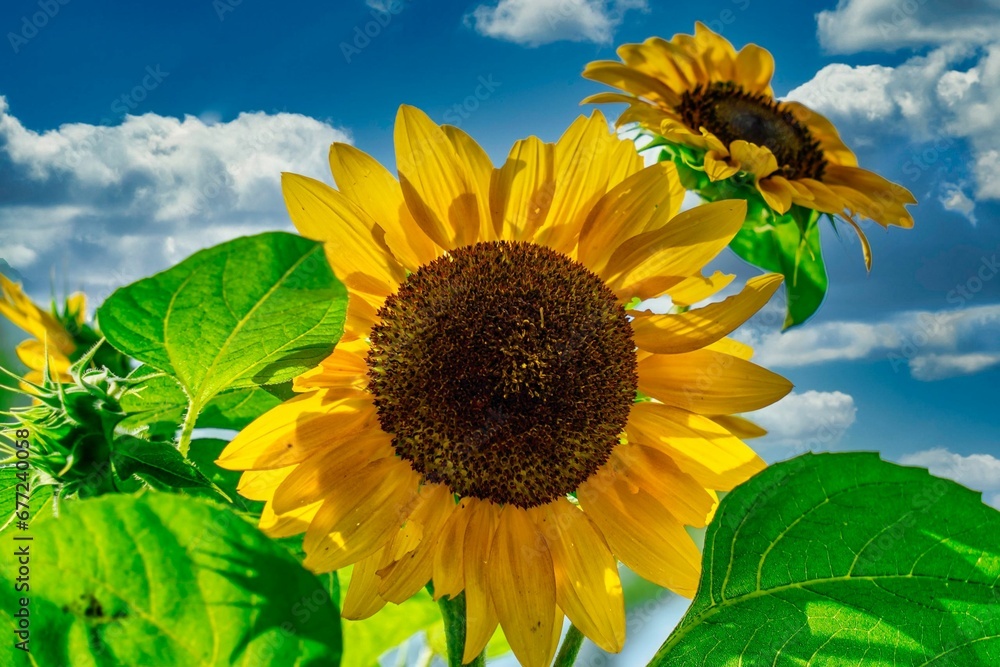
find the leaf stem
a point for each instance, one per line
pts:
(190, 417)
(570, 648)
(453, 613)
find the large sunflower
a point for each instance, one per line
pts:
(699, 91)
(478, 425)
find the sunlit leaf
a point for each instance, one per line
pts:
(169, 581)
(843, 559)
(254, 311)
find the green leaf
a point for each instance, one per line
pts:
(156, 404)
(235, 409)
(366, 640)
(165, 580)
(254, 311)
(779, 245)
(39, 498)
(204, 452)
(158, 463)
(844, 559)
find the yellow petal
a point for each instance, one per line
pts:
(345, 368)
(739, 426)
(19, 309)
(678, 249)
(354, 243)
(709, 382)
(754, 159)
(754, 68)
(480, 168)
(696, 288)
(439, 191)
(360, 515)
(777, 192)
(586, 157)
(588, 587)
(824, 132)
(522, 190)
(625, 78)
(642, 533)
(362, 599)
(290, 432)
(658, 474)
(260, 484)
(866, 248)
(481, 616)
(522, 585)
(717, 166)
(822, 197)
(371, 187)
(313, 478)
(694, 329)
(871, 195)
(76, 307)
(448, 571)
(406, 576)
(700, 447)
(641, 203)
(32, 354)
(286, 525)
(733, 347)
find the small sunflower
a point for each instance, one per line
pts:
(713, 111)
(51, 331)
(494, 420)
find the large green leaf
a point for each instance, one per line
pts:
(843, 559)
(254, 311)
(165, 580)
(780, 245)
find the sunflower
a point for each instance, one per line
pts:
(698, 91)
(50, 331)
(494, 420)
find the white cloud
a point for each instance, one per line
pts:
(105, 205)
(941, 366)
(536, 22)
(867, 25)
(953, 198)
(980, 472)
(938, 97)
(933, 345)
(811, 420)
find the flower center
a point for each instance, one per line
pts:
(505, 370)
(730, 113)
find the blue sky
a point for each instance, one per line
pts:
(132, 134)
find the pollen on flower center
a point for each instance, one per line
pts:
(730, 113)
(504, 370)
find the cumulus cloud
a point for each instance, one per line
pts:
(811, 420)
(980, 472)
(536, 22)
(932, 345)
(939, 97)
(867, 25)
(105, 205)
